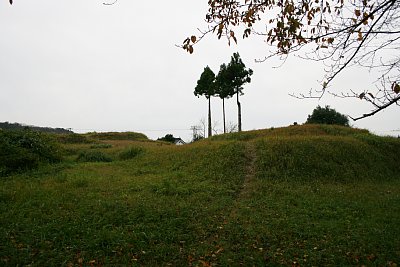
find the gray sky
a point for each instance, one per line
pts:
(90, 67)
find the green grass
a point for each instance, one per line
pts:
(302, 195)
(130, 153)
(93, 156)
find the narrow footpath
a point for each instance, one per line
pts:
(248, 185)
(233, 220)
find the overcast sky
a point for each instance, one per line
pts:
(90, 67)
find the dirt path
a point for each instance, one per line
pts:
(245, 192)
(248, 185)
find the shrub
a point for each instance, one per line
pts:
(26, 150)
(93, 156)
(130, 153)
(327, 115)
(73, 138)
(96, 146)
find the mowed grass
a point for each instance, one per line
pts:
(306, 195)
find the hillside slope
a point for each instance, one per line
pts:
(306, 195)
(328, 152)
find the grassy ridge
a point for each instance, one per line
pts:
(308, 195)
(133, 136)
(298, 130)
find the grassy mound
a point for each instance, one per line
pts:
(301, 195)
(132, 136)
(333, 158)
(297, 130)
(321, 152)
(73, 138)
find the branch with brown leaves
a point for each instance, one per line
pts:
(339, 33)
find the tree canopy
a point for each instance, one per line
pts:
(17, 126)
(223, 86)
(205, 85)
(339, 33)
(168, 138)
(327, 115)
(238, 74)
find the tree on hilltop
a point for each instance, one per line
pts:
(223, 88)
(237, 76)
(205, 86)
(327, 115)
(339, 33)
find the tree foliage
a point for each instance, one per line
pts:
(223, 86)
(238, 75)
(339, 33)
(17, 126)
(205, 85)
(327, 115)
(168, 138)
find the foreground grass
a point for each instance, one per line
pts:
(308, 196)
(153, 210)
(314, 224)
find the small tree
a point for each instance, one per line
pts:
(231, 127)
(205, 86)
(327, 115)
(199, 130)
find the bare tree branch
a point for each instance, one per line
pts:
(111, 3)
(393, 101)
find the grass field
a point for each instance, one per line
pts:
(297, 196)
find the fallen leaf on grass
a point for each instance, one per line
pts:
(219, 251)
(205, 264)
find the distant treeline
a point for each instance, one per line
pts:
(17, 126)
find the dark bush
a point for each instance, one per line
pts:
(93, 156)
(327, 115)
(26, 150)
(73, 138)
(130, 153)
(99, 146)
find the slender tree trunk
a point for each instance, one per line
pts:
(239, 113)
(223, 113)
(209, 117)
